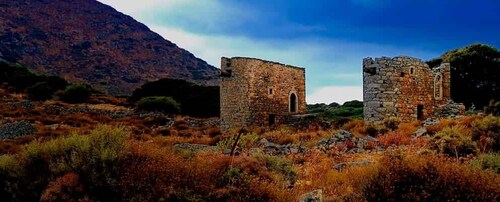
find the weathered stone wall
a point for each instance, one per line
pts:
(253, 91)
(398, 87)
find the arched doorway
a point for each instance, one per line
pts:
(293, 102)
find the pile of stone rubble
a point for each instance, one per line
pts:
(16, 129)
(277, 149)
(352, 143)
(450, 110)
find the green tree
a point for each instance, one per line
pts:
(196, 100)
(159, 103)
(76, 93)
(475, 72)
(40, 91)
(353, 103)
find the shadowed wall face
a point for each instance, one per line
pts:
(404, 88)
(258, 92)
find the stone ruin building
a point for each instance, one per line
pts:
(405, 88)
(260, 93)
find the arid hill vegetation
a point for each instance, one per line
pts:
(103, 152)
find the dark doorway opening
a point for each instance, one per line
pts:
(420, 112)
(293, 102)
(272, 119)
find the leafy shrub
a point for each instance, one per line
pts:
(401, 177)
(40, 91)
(454, 141)
(394, 139)
(353, 103)
(279, 164)
(474, 74)
(205, 177)
(162, 104)
(95, 156)
(76, 93)
(196, 100)
(66, 188)
(21, 78)
(245, 143)
(486, 132)
(493, 108)
(282, 135)
(487, 161)
(351, 109)
(392, 123)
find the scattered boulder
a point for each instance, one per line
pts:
(353, 143)
(277, 149)
(450, 110)
(16, 129)
(341, 166)
(419, 132)
(314, 196)
(430, 122)
(26, 104)
(195, 147)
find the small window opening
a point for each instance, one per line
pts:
(438, 87)
(272, 119)
(420, 112)
(271, 91)
(293, 102)
(412, 70)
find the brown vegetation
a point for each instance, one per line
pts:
(133, 157)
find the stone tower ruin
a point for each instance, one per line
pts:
(258, 92)
(403, 87)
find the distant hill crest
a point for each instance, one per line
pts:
(87, 41)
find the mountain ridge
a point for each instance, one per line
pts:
(88, 41)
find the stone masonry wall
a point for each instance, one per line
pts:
(396, 87)
(254, 91)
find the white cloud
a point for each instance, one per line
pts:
(333, 67)
(339, 94)
(134, 7)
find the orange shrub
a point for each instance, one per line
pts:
(405, 177)
(66, 188)
(394, 138)
(9, 147)
(408, 128)
(153, 173)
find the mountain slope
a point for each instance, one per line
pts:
(85, 40)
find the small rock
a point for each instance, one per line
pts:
(263, 141)
(421, 131)
(341, 166)
(430, 122)
(370, 139)
(314, 196)
(195, 147)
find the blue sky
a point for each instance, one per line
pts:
(327, 37)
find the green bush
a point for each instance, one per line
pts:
(427, 178)
(196, 100)
(454, 141)
(40, 91)
(95, 156)
(487, 161)
(161, 103)
(278, 164)
(354, 103)
(245, 143)
(76, 93)
(486, 132)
